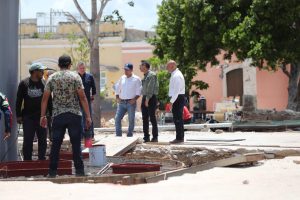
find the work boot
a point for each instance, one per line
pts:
(154, 139)
(79, 173)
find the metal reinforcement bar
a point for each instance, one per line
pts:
(172, 127)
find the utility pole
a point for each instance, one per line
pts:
(55, 13)
(51, 10)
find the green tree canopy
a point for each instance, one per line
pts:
(193, 32)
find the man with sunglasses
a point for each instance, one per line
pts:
(29, 96)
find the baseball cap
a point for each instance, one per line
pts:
(64, 60)
(36, 66)
(128, 66)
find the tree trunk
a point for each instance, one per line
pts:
(95, 70)
(293, 99)
(95, 64)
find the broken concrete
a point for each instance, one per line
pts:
(258, 115)
(188, 155)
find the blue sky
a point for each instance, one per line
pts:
(141, 16)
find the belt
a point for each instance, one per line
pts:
(125, 100)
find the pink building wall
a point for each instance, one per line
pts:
(271, 90)
(214, 93)
(271, 86)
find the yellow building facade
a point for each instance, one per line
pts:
(113, 55)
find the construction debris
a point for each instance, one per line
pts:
(219, 163)
(188, 155)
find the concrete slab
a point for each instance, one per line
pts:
(251, 139)
(116, 146)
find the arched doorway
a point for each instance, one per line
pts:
(235, 86)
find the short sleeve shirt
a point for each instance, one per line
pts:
(64, 85)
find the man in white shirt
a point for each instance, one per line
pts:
(176, 93)
(128, 90)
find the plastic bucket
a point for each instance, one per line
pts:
(97, 155)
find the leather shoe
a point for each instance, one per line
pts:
(52, 173)
(176, 141)
(154, 140)
(146, 140)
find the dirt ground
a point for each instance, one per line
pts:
(271, 179)
(274, 179)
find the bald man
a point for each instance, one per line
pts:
(177, 95)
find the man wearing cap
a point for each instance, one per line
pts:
(149, 101)
(128, 90)
(68, 93)
(30, 93)
(176, 93)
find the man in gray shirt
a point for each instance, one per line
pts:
(149, 101)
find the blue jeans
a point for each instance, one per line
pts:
(72, 122)
(123, 107)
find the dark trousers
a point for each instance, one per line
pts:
(177, 110)
(187, 121)
(149, 112)
(202, 114)
(85, 133)
(31, 127)
(72, 122)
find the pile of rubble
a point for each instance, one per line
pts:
(189, 156)
(271, 115)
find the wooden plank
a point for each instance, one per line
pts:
(219, 163)
(116, 146)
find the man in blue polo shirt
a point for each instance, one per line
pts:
(89, 90)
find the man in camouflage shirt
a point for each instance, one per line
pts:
(149, 101)
(68, 92)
